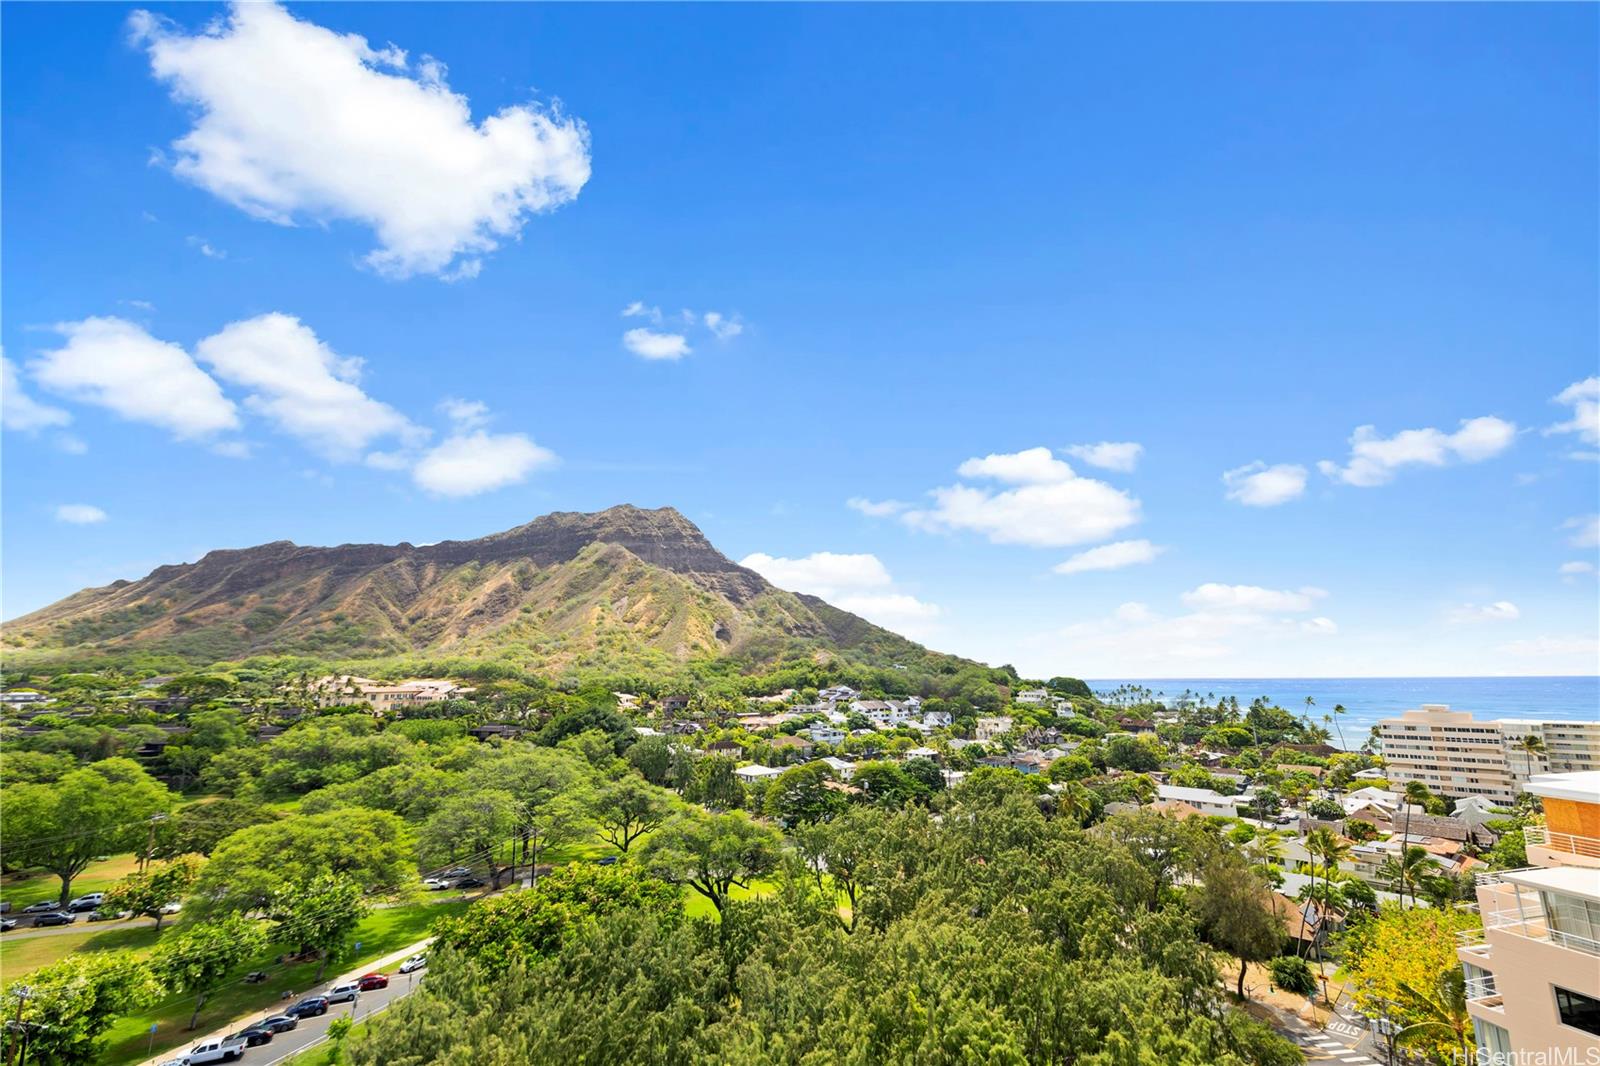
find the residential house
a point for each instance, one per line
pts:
(725, 747)
(838, 694)
(825, 734)
(937, 719)
(674, 704)
(756, 772)
(798, 745)
(1033, 697)
(842, 768)
(1202, 799)
(989, 728)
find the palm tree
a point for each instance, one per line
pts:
(1443, 1013)
(1532, 748)
(1417, 795)
(1403, 870)
(1306, 717)
(1074, 802)
(1323, 843)
(1339, 712)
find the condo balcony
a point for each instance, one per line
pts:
(1547, 847)
(1557, 905)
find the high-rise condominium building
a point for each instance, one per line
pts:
(1457, 755)
(1533, 970)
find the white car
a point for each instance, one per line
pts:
(216, 1051)
(87, 902)
(343, 993)
(172, 908)
(436, 884)
(414, 963)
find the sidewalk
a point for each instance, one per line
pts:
(277, 1008)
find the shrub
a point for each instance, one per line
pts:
(1291, 974)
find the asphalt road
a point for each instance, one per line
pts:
(312, 1030)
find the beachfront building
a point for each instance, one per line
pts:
(1455, 754)
(1533, 970)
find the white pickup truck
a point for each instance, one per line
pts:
(215, 1051)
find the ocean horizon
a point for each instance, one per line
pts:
(1367, 700)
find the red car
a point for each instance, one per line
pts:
(373, 980)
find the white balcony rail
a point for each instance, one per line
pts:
(1542, 836)
(1482, 988)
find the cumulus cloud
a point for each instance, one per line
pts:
(465, 414)
(20, 411)
(649, 344)
(301, 385)
(1499, 611)
(205, 248)
(293, 121)
(1049, 507)
(467, 464)
(875, 508)
(722, 326)
(1213, 596)
(1585, 531)
(115, 364)
(1584, 399)
(1259, 485)
(1576, 567)
(1112, 556)
(1374, 459)
(80, 514)
(858, 583)
(1109, 455)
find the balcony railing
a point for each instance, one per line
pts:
(1482, 990)
(1542, 836)
(1519, 911)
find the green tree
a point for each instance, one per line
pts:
(628, 808)
(101, 809)
(1440, 1014)
(1233, 907)
(319, 916)
(147, 894)
(712, 853)
(472, 826)
(61, 1011)
(800, 795)
(195, 959)
(652, 757)
(715, 784)
(197, 828)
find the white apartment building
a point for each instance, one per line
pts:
(1455, 754)
(1533, 970)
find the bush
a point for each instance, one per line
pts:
(1291, 974)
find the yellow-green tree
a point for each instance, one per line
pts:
(1389, 959)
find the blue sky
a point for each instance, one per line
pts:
(381, 298)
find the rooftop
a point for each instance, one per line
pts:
(1565, 880)
(1583, 787)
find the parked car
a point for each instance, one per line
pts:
(309, 1007)
(87, 902)
(456, 871)
(99, 915)
(280, 1023)
(40, 907)
(370, 981)
(225, 1050)
(343, 993)
(5, 906)
(414, 963)
(435, 884)
(7, 924)
(471, 882)
(56, 918)
(253, 1035)
(172, 908)
(606, 860)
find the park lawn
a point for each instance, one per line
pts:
(380, 933)
(18, 958)
(697, 906)
(31, 886)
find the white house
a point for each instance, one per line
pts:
(753, 773)
(1203, 800)
(825, 734)
(846, 770)
(989, 728)
(937, 719)
(922, 753)
(837, 694)
(1033, 697)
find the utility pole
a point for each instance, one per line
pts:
(150, 844)
(22, 992)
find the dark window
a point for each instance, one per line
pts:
(1578, 1010)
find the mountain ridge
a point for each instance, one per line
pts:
(626, 587)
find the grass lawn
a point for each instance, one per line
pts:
(323, 1054)
(18, 958)
(697, 906)
(19, 890)
(380, 933)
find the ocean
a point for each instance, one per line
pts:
(1368, 699)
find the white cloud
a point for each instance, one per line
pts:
(70, 444)
(1052, 507)
(1499, 611)
(295, 121)
(1577, 566)
(233, 449)
(1213, 596)
(1259, 485)
(858, 583)
(1320, 625)
(1112, 556)
(1109, 455)
(638, 309)
(469, 463)
(1032, 466)
(825, 574)
(648, 344)
(115, 364)
(1586, 531)
(20, 411)
(465, 414)
(307, 389)
(1374, 459)
(204, 247)
(875, 508)
(722, 326)
(80, 514)
(1584, 399)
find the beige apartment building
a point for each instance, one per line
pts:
(384, 697)
(1533, 970)
(1456, 754)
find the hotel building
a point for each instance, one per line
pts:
(1455, 754)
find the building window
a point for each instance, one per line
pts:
(1578, 1010)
